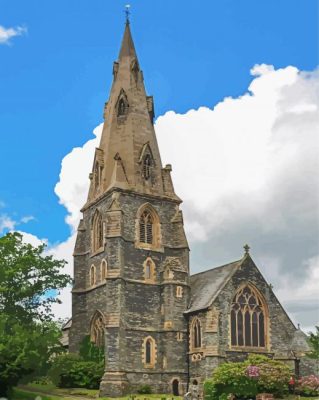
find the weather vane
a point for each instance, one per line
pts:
(127, 13)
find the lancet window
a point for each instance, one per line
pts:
(196, 334)
(97, 329)
(97, 231)
(92, 275)
(149, 352)
(103, 270)
(147, 164)
(248, 319)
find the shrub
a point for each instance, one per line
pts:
(308, 385)
(61, 365)
(144, 389)
(90, 352)
(69, 370)
(245, 379)
(82, 374)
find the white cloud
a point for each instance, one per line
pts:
(246, 171)
(72, 188)
(6, 223)
(8, 33)
(26, 219)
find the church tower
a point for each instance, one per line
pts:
(131, 257)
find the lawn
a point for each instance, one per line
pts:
(51, 392)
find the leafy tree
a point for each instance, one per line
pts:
(314, 344)
(29, 283)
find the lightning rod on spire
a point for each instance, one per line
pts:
(127, 13)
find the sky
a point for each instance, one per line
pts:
(235, 84)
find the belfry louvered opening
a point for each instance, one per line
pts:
(146, 227)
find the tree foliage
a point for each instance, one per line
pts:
(29, 283)
(314, 344)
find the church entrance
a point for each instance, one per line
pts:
(175, 385)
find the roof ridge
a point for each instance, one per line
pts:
(214, 268)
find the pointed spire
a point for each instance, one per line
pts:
(127, 46)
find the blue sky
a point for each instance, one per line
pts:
(238, 117)
(55, 79)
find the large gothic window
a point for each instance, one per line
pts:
(248, 314)
(97, 329)
(97, 231)
(196, 334)
(146, 227)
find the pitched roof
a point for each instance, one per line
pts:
(205, 286)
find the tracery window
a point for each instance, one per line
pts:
(97, 329)
(248, 313)
(97, 231)
(196, 334)
(146, 227)
(147, 163)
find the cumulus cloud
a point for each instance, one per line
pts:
(8, 33)
(7, 223)
(72, 188)
(246, 170)
(252, 162)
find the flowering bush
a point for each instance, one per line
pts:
(308, 385)
(245, 379)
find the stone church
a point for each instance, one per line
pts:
(133, 292)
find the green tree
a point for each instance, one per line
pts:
(314, 344)
(29, 284)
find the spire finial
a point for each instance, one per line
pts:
(127, 13)
(246, 248)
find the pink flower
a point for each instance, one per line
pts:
(252, 371)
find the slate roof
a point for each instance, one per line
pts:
(206, 285)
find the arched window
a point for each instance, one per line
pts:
(146, 227)
(92, 275)
(149, 352)
(103, 270)
(196, 334)
(97, 329)
(97, 231)
(247, 317)
(179, 291)
(147, 163)
(121, 108)
(149, 270)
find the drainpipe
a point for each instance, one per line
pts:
(187, 353)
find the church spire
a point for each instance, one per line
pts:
(127, 46)
(128, 157)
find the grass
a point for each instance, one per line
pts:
(51, 392)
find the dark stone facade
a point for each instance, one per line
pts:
(140, 291)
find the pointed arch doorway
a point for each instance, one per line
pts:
(175, 387)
